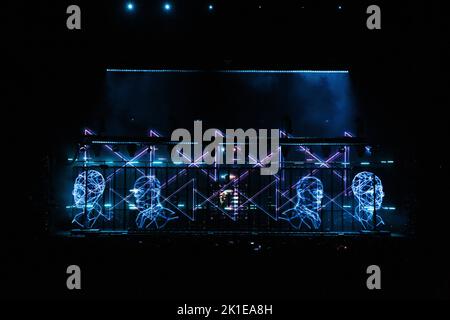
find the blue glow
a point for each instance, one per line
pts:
(365, 163)
(210, 7)
(368, 192)
(147, 192)
(306, 210)
(87, 190)
(224, 71)
(130, 6)
(167, 6)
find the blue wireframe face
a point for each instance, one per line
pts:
(310, 193)
(309, 201)
(368, 190)
(147, 190)
(88, 188)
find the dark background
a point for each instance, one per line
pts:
(55, 81)
(310, 104)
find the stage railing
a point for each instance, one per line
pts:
(222, 198)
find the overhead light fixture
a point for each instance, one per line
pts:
(167, 6)
(130, 6)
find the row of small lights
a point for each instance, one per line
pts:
(167, 6)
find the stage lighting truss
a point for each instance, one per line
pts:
(282, 197)
(147, 192)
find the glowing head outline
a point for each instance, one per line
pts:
(147, 191)
(309, 202)
(363, 189)
(310, 193)
(88, 188)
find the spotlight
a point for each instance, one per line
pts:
(167, 6)
(130, 6)
(339, 7)
(210, 7)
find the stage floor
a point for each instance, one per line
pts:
(222, 233)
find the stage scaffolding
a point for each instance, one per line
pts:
(227, 198)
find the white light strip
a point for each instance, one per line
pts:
(222, 71)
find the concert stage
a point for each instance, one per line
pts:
(222, 199)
